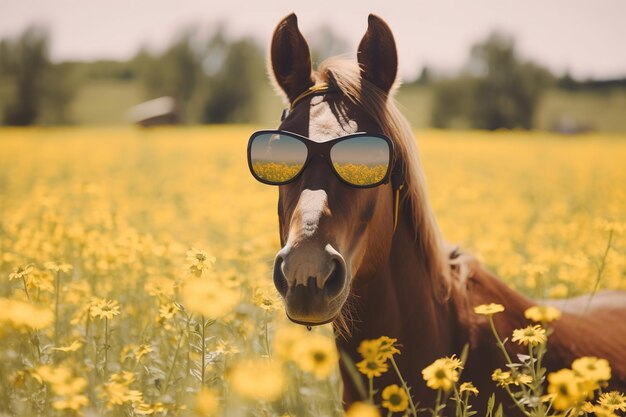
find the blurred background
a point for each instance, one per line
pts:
(486, 64)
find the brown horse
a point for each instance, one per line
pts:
(344, 261)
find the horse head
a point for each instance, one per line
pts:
(330, 231)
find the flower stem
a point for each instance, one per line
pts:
(106, 346)
(26, 289)
(499, 341)
(267, 339)
(371, 389)
(515, 401)
(56, 309)
(203, 356)
(437, 403)
(457, 411)
(169, 374)
(405, 386)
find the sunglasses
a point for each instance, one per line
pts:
(362, 160)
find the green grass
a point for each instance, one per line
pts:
(105, 102)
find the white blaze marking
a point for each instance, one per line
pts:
(311, 205)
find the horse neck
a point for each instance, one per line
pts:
(399, 301)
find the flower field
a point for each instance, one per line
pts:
(135, 266)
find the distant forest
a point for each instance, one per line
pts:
(217, 79)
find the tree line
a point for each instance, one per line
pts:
(216, 79)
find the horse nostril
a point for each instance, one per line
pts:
(336, 279)
(280, 281)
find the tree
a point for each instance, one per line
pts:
(499, 90)
(213, 81)
(36, 87)
(232, 90)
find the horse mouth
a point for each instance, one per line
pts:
(311, 323)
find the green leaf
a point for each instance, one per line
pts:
(490, 404)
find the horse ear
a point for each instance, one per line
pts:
(291, 59)
(377, 54)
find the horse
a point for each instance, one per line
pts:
(373, 262)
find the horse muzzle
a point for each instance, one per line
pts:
(313, 282)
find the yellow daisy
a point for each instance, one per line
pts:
(591, 368)
(361, 409)
(613, 400)
(105, 309)
(564, 386)
(489, 309)
(395, 398)
(387, 347)
(468, 387)
(372, 367)
(531, 335)
(542, 314)
(442, 373)
(316, 354)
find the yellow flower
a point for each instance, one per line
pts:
(591, 368)
(565, 388)
(118, 393)
(383, 347)
(489, 309)
(372, 367)
(105, 309)
(72, 402)
(521, 379)
(73, 347)
(54, 376)
(387, 347)
(68, 390)
(600, 411)
(207, 402)
(208, 298)
(167, 311)
(531, 335)
(257, 379)
(316, 354)
(144, 409)
(395, 398)
(123, 377)
(286, 338)
(442, 373)
(361, 409)
(22, 315)
(369, 348)
(267, 299)
(468, 387)
(613, 400)
(70, 386)
(198, 261)
(141, 351)
(57, 267)
(502, 378)
(160, 287)
(226, 348)
(21, 272)
(543, 314)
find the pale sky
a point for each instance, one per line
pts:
(586, 37)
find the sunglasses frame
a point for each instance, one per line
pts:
(321, 149)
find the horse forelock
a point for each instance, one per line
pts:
(343, 76)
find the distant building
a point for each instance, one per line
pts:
(160, 111)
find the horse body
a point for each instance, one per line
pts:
(344, 261)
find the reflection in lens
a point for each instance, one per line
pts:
(277, 158)
(362, 160)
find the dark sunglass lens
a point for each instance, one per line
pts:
(361, 160)
(277, 158)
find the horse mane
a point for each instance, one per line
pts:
(344, 76)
